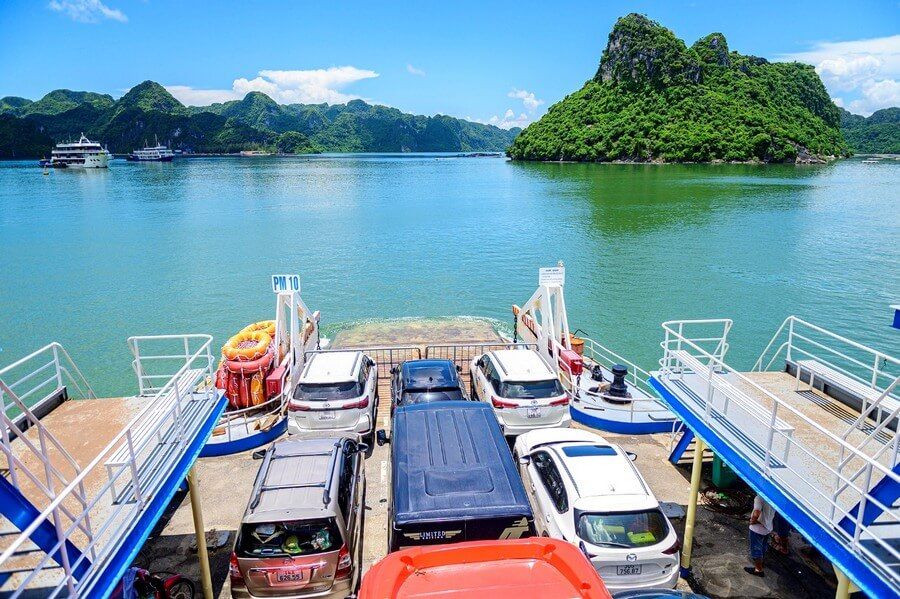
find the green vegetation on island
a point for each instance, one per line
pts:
(655, 99)
(876, 134)
(148, 112)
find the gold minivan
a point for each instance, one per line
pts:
(302, 532)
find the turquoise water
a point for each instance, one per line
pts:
(90, 258)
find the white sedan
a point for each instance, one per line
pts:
(588, 492)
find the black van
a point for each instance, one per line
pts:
(453, 477)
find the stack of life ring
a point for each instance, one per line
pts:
(248, 357)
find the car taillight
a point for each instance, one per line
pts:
(295, 407)
(674, 548)
(562, 401)
(235, 571)
(344, 563)
(500, 404)
(363, 403)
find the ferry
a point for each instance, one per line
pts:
(811, 427)
(83, 153)
(157, 153)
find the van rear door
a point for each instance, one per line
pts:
(284, 558)
(416, 534)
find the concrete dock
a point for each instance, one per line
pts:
(720, 543)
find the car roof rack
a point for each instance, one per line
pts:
(271, 454)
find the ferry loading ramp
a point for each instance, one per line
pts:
(811, 427)
(86, 478)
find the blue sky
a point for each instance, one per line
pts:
(501, 62)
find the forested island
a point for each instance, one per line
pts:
(147, 112)
(878, 133)
(653, 98)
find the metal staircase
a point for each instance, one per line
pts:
(836, 479)
(66, 529)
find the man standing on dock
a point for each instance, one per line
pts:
(760, 528)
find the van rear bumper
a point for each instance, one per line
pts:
(338, 590)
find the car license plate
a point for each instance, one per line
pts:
(629, 570)
(533, 412)
(327, 415)
(289, 576)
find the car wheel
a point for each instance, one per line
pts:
(369, 439)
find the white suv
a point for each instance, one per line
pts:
(587, 491)
(337, 391)
(524, 390)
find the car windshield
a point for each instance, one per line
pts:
(411, 397)
(531, 389)
(622, 529)
(298, 537)
(327, 391)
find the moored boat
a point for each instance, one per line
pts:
(609, 392)
(157, 153)
(83, 153)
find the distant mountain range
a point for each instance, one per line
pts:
(148, 111)
(877, 134)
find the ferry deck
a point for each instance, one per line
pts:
(91, 485)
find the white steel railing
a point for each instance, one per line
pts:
(646, 404)
(818, 450)
(797, 340)
(144, 458)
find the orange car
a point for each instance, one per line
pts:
(515, 569)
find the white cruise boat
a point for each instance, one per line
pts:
(157, 153)
(81, 154)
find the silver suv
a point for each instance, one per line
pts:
(337, 391)
(301, 535)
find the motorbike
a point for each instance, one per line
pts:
(143, 584)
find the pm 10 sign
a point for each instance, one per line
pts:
(285, 283)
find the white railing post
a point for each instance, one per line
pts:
(138, 368)
(132, 463)
(770, 437)
(790, 344)
(862, 506)
(59, 381)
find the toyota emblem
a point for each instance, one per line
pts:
(631, 557)
(326, 406)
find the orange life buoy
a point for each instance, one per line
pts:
(249, 345)
(267, 326)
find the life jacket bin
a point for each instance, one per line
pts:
(273, 381)
(571, 361)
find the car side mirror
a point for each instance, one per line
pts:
(480, 362)
(631, 456)
(458, 368)
(362, 447)
(395, 369)
(381, 437)
(525, 460)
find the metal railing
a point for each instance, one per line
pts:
(868, 367)
(384, 356)
(173, 413)
(827, 454)
(647, 404)
(462, 354)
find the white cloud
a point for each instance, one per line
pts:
(414, 71)
(87, 11)
(528, 98)
(864, 72)
(876, 94)
(507, 121)
(285, 87)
